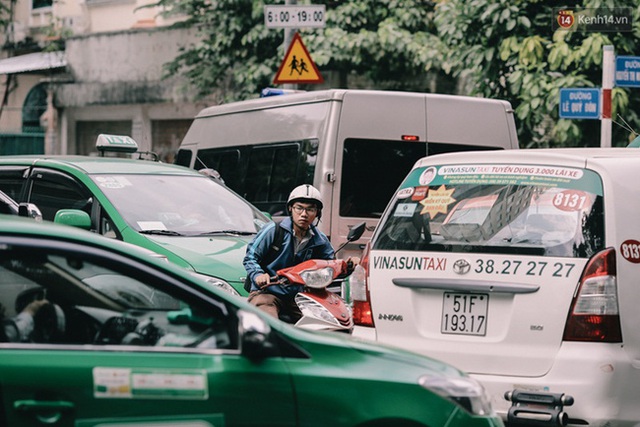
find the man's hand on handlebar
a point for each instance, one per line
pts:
(262, 280)
(352, 261)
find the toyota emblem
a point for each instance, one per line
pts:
(461, 266)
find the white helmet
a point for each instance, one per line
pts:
(305, 193)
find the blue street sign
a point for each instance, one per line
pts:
(628, 71)
(579, 103)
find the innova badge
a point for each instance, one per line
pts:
(461, 266)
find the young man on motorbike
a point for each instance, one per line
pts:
(301, 241)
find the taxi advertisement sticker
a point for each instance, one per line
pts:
(437, 201)
(135, 383)
(113, 182)
(404, 193)
(427, 176)
(571, 200)
(419, 193)
(505, 174)
(405, 210)
(630, 250)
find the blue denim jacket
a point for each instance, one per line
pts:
(319, 248)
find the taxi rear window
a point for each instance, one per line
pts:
(496, 208)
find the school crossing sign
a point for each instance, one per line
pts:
(297, 67)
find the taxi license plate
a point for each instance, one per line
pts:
(464, 314)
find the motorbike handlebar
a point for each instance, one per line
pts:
(276, 280)
(350, 267)
(291, 275)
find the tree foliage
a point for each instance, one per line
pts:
(507, 49)
(390, 43)
(504, 49)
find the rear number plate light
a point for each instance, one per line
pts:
(464, 314)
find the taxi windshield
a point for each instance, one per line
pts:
(179, 205)
(540, 211)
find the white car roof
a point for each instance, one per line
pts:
(577, 157)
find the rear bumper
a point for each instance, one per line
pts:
(603, 381)
(364, 332)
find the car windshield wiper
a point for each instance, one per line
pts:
(162, 232)
(232, 232)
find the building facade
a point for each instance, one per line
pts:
(107, 77)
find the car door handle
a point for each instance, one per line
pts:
(42, 405)
(47, 412)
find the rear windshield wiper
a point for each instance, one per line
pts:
(232, 232)
(162, 232)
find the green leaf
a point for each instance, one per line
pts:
(506, 13)
(524, 21)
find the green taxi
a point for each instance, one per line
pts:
(193, 220)
(121, 338)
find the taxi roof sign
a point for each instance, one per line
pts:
(116, 143)
(298, 67)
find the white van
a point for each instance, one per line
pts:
(522, 269)
(355, 146)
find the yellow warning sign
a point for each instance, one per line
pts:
(297, 66)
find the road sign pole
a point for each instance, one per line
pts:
(288, 36)
(608, 70)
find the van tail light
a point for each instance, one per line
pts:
(594, 314)
(360, 297)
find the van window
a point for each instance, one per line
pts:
(434, 148)
(371, 172)
(183, 158)
(264, 174)
(450, 209)
(226, 161)
(372, 169)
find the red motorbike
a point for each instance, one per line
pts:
(321, 306)
(321, 309)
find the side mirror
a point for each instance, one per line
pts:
(354, 234)
(29, 210)
(254, 333)
(74, 218)
(356, 231)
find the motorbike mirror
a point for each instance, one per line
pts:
(356, 231)
(354, 234)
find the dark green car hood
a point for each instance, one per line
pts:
(313, 341)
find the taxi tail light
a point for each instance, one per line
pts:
(594, 314)
(359, 284)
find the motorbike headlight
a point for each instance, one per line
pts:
(464, 391)
(218, 283)
(318, 278)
